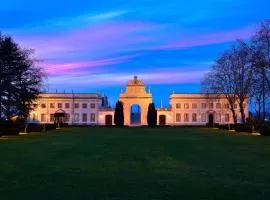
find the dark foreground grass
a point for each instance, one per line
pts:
(134, 163)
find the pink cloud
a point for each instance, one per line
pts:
(82, 66)
(152, 78)
(96, 39)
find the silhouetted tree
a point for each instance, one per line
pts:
(152, 115)
(220, 81)
(261, 64)
(20, 80)
(241, 59)
(119, 114)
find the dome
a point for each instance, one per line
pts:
(135, 81)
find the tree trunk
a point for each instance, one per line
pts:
(234, 115)
(242, 111)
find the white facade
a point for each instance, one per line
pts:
(78, 108)
(86, 109)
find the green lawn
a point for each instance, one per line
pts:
(135, 163)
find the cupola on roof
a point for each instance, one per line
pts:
(135, 82)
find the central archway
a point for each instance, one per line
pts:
(135, 114)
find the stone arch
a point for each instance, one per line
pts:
(135, 114)
(135, 94)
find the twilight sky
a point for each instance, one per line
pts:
(90, 46)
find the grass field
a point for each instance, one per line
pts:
(135, 163)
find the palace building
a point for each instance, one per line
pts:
(92, 108)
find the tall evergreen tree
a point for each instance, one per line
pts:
(20, 80)
(119, 114)
(152, 115)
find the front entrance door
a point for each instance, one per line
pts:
(211, 120)
(108, 120)
(162, 120)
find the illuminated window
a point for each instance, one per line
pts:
(218, 105)
(178, 105)
(203, 117)
(186, 117)
(76, 105)
(92, 105)
(52, 105)
(34, 117)
(178, 117)
(203, 105)
(186, 106)
(84, 117)
(43, 118)
(43, 105)
(194, 117)
(59, 105)
(227, 117)
(92, 117)
(67, 117)
(51, 117)
(218, 117)
(76, 117)
(194, 106)
(67, 105)
(84, 105)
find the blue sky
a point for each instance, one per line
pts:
(90, 46)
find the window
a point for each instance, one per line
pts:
(218, 105)
(67, 117)
(92, 117)
(84, 117)
(84, 105)
(34, 117)
(43, 105)
(52, 105)
(186, 106)
(204, 105)
(76, 105)
(59, 105)
(235, 106)
(227, 117)
(178, 105)
(194, 117)
(203, 117)
(227, 106)
(194, 106)
(92, 105)
(35, 106)
(43, 118)
(211, 105)
(186, 117)
(67, 105)
(76, 117)
(51, 117)
(218, 117)
(178, 117)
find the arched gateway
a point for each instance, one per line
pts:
(135, 94)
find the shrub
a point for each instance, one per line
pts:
(265, 129)
(243, 128)
(152, 115)
(50, 127)
(119, 114)
(34, 128)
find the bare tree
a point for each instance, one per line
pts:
(240, 58)
(220, 81)
(261, 64)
